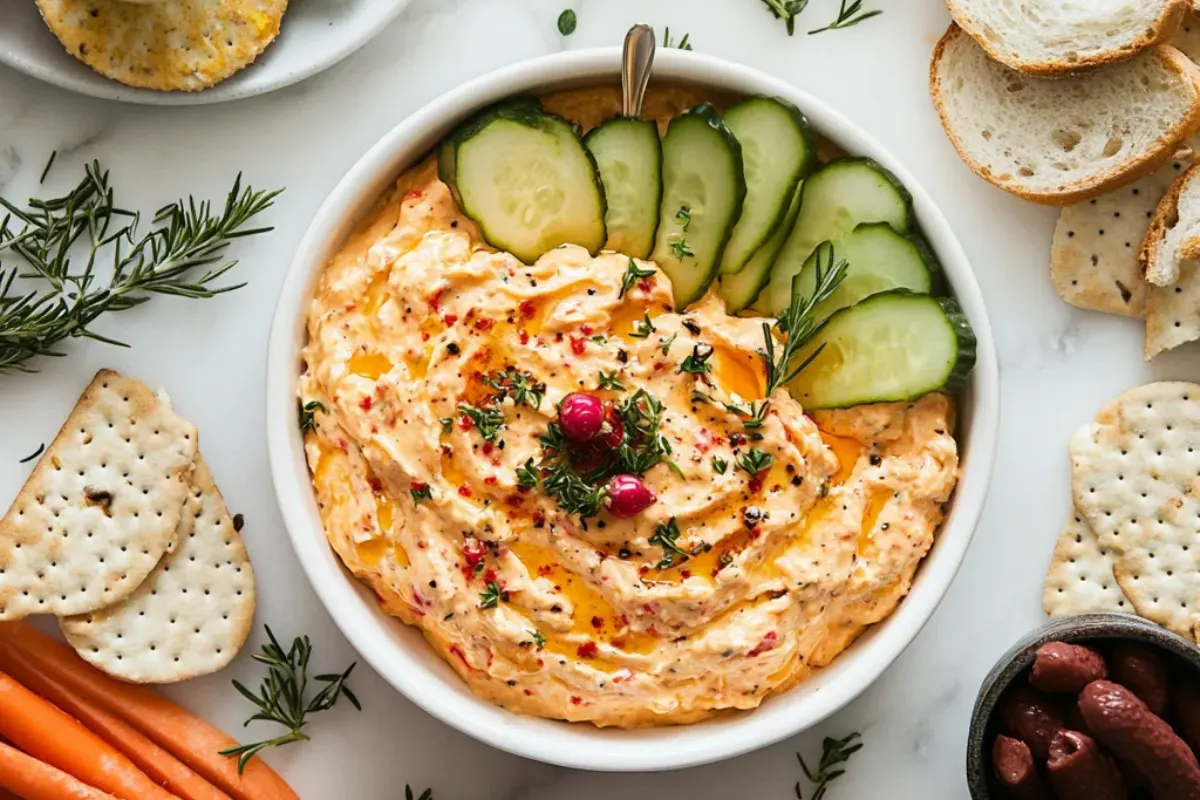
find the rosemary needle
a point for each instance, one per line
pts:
(187, 236)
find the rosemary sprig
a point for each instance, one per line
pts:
(683, 43)
(849, 15)
(425, 795)
(281, 698)
(787, 10)
(492, 595)
(187, 236)
(836, 752)
(799, 322)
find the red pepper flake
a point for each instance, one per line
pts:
(366, 403)
(587, 650)
(490, 576)
(558, 337)
(490, 480)
(578, 345)
(464, 490)
(768, 643)
(685, 573)
(529, 692)
(414, 194)
(417, 486)
(449, 319)
(376, 485)
(435, 299)
(524, 336)
(586, 330)
(424, 336)
(473, 551)
(527, 309)
(545, 570)
(576, 700)
(484, 323)
(487, 448)
(646, 284)
(464, 422)
(597, 622)
(457, 651)
(756, 484)
(658, 367)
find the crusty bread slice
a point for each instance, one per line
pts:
(1174, 233)
(1062, 141)
(1055, 37)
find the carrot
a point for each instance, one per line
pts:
(31, 779)
(188, 738)
(45, 732)
(156, 762)
(5, 794)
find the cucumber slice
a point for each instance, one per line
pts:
(525, 178)
(740, 289)
(837, 198)
(629, 156)
(893, 346)
(778, 150)
(877, 260)
(703, 189)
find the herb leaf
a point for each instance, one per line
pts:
(281, 697)
(799, 321)
(420, 491)
(487, 420)
(633, 274)
(643, 327)
(425, 795)
(849, 15)
(308, 421)
(566, 22)
(683, 44)
(698, 362)
(787, 10)
(835, 753)
(492, 595)
(679, 248)
(187, 236)
(528, 476)
(522, 387)
(610, 381)
(41, 449)
(719, 465)
(755, 461)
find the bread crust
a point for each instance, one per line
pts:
(1079, 192)
(1167, 25)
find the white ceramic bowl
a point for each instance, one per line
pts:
(400, 654)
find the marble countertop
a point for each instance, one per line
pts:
(1059, 365)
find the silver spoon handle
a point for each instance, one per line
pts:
(635, 68)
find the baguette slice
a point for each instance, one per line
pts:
(1055, 37)
(1062, 141)
(1174, 233)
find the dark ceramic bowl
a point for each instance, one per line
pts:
(1080, 629)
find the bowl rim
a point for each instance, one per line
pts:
(421, 675)
(1096, 626)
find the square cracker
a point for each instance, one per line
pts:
(1173, 312)
(1094, 255)
(1080, 577)
(101, 506)
(191, 615)
(1135, 480)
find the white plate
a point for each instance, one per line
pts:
(316, 34)
(400, 654)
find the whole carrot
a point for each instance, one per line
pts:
(28, 778)
(187, 737)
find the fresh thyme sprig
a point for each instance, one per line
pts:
(683, 44)
(522, 387)
(835, 753)
(787, 10)
(492, 595)
(799, 323)
(698, 362)
(755, 461)
(643, 327)
(425, 795)
(187, 236)
(633, 274)
(487, 420)
(281, 698)
(666, 536)
(849, 15)
(308, 415)
(610, 381)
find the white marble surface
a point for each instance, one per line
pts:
(1059, 365)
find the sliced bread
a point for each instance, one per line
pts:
(1062, 141)
(1174, 233)
(1055, 37)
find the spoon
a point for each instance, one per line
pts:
(635, 68)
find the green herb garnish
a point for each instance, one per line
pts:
(679, 247)
(633, 274)
(538, 639)
(698, 362)
(308, 412)
(528, 476)
(719, 465)
(488, 421)
(848, 16)
(609, 381)
(522, 387)
(186, 237)
(666, 536)
(281, 696)
(425, 795)
(566, 22)
(643, 327)
(492, 595)
(667, 342)
(799, 323)
(683, 44)
(787, 10)
(835, 753)
(420, 491)
(755, 461)
(41, 449)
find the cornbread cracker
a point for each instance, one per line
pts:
(180, 45)
(1080, 578)
(101, 506)
(191, 615)
(1094, 255)
(1135, 481)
